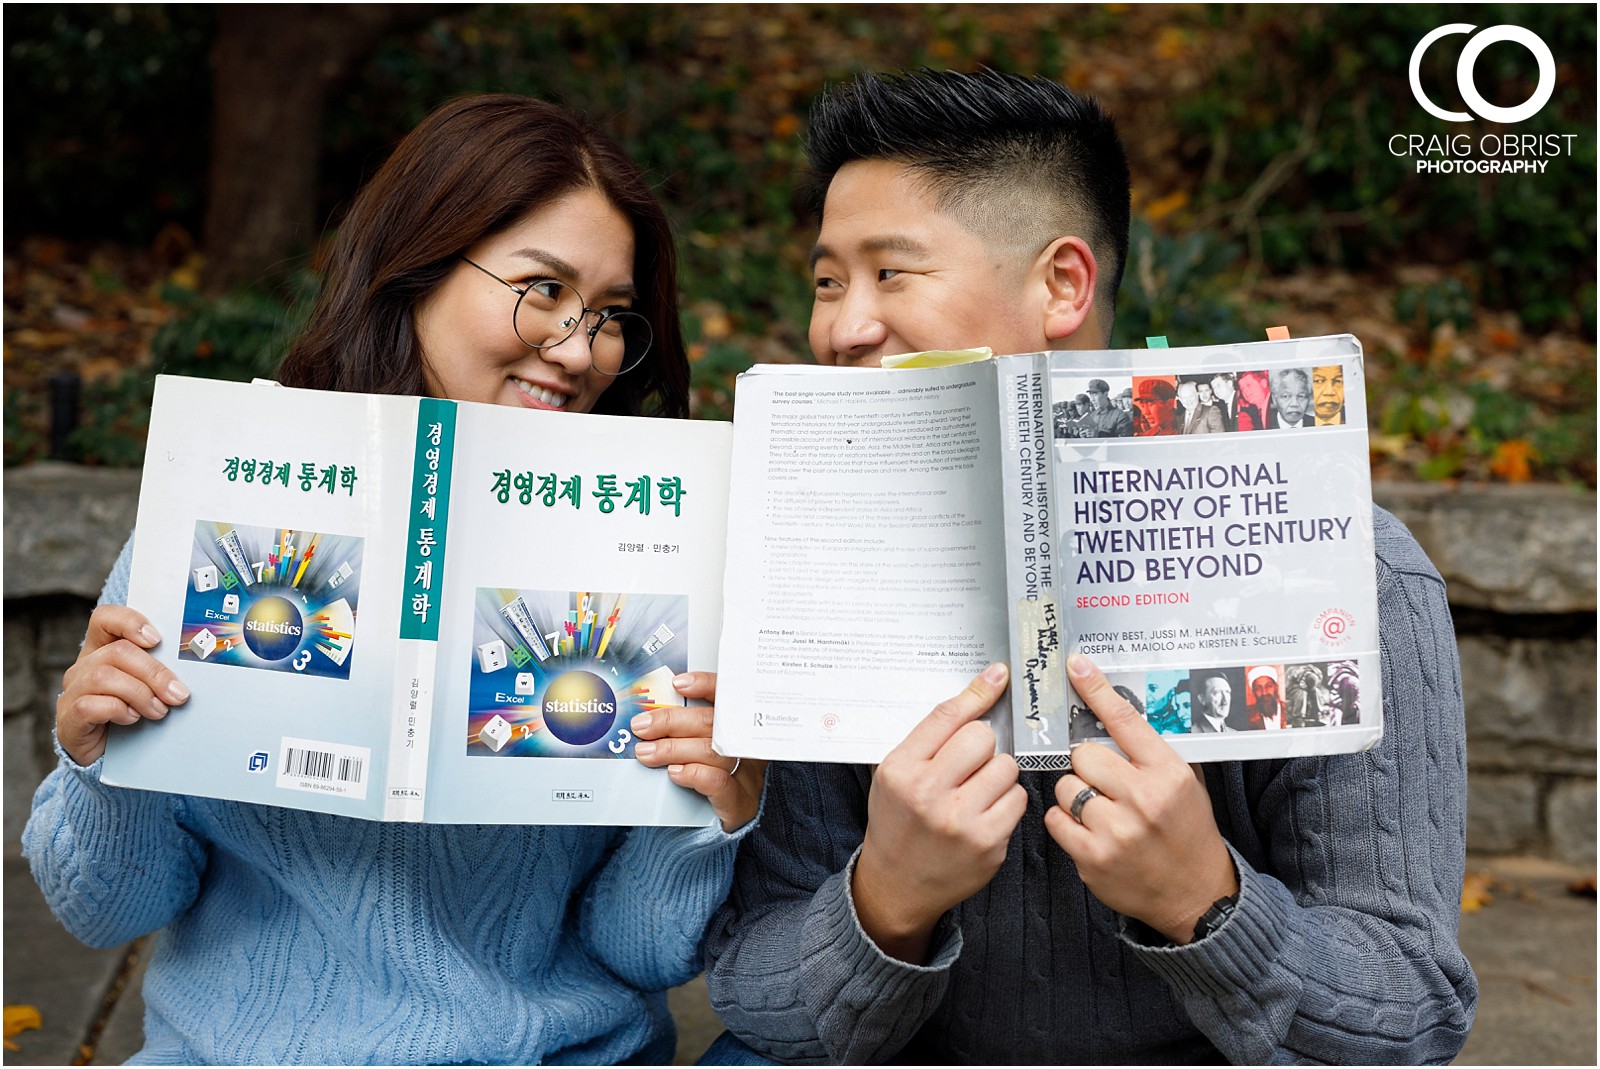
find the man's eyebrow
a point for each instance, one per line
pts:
(562, 269)
(886, 243)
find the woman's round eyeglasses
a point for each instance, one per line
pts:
(549, 312)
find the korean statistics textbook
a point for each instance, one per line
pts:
(402, 608)
(1197, 521)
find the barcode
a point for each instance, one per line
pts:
(320, 764)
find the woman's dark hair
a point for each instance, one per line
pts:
(472, 168)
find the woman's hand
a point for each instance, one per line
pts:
(680, 739)
(113, 681)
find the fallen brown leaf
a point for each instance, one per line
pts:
(1583, 888)
(20, 1019)
(1476, 891)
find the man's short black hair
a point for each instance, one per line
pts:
(1013, 156)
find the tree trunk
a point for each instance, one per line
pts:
(273, 67)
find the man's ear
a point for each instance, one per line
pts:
(1070, 274)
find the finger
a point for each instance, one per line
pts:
(162, 681)
(950, 715)
(110, 622)
(1104, 769)
(681, 752)
(685, 721)
(111, 677)
(966, 753)
(696, 685)
(986, 787)
(1068, 833)
(1068, 788)
(732, 804)
(92, 710)
(1122, 721)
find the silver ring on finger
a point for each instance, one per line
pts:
(1075, 810)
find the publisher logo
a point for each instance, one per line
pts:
(830, 721)
(258, 762)
(1333, 626)
(568, 795)
(1466, 70)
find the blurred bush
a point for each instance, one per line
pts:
(1290, 138)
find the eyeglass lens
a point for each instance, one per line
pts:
(549, 312)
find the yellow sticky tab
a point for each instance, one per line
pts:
(939, 357)
(1277, 333)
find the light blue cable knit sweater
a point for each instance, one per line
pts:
(301, 937)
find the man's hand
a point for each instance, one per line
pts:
(680, 739)
(113, 681)
(1148, 845)
(941, 811)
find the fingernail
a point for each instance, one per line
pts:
(1078, 665)
(640, 722)
(177, 692)
(682, 681)
(156, 708)
(674, 769)
(149, 634)
(995, 673)
(644, 749)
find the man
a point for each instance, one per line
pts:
(1263, 683)
(1204, 415)
(1222, 388)
(943, 908)
(1327, 395)
(1213, 705)
(1291, 392)
(1105, 419)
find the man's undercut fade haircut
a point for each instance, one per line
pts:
(1012, 157)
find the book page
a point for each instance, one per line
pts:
(264, 547)
(866, 576)
(1216, 552)
(583, 572)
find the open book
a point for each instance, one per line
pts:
(1197, 521)
(401, 608)
(411, 609)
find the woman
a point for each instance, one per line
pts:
(289, 936)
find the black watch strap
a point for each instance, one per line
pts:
(1215, 917)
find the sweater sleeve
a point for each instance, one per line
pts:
(790, 970)
(646, 909)
(1344, 947)
(113, 863)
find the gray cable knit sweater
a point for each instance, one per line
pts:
(1343, 948)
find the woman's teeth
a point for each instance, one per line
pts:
(542, 395)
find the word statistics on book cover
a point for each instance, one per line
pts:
(1197, 521)
(402, 608)
(411, 609)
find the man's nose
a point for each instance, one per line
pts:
(857, 330)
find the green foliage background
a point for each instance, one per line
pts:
(1272, 122)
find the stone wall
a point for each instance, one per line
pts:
(1519, 561)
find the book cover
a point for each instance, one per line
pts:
(402, 608)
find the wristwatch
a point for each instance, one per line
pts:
(1215, 917)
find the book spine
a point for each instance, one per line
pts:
(418, 649)
(1038, 671)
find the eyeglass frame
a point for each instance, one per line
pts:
(602, 317)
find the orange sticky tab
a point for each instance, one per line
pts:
(1277, 333)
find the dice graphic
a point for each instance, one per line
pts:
(203, 643)
(205, 578)
(496, 733)
(525, 683)
(492, 656)
(230, 603)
